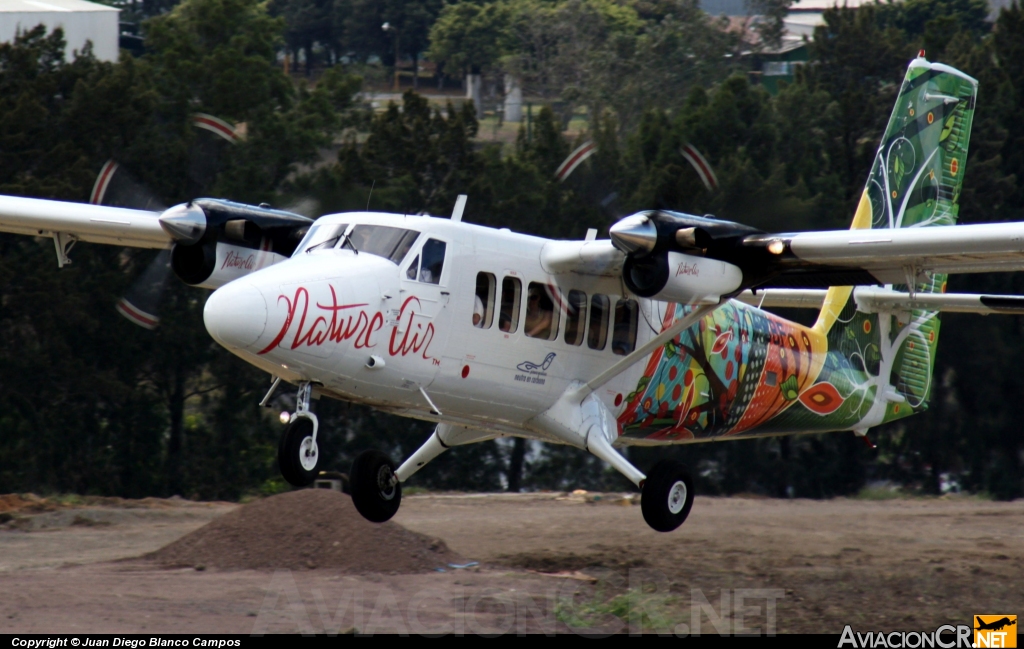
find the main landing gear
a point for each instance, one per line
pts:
(377, 485)
(666, 496)
(666, 492)
(376, 491)
(298, 453)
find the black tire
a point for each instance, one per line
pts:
(299, 463)
(667, 496)
(373, 493)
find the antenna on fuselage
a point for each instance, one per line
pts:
(371, 194)
(460, 206)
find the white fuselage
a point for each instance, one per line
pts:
(322, 315)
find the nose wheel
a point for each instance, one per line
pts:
(667, 496)
(298, 454)
(376, 491)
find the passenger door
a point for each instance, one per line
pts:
(420, 313)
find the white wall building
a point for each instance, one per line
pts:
(82, 21)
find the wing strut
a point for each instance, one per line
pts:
(63, 242)
(642, 351)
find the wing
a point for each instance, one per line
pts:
(891, 256)
(826, 258)
(69, 222)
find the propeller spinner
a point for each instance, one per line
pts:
(185, 223)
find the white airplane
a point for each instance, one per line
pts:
(656, 336)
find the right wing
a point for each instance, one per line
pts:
(68, 222)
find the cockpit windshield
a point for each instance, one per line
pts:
(321, 237)
(380, 240)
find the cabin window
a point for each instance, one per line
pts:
(624, 333)
(483, 301)
(541, 318)
(575, 317)
(383, 241)
(426, 267)
(511, 294)
(322, 237)
(597, 336)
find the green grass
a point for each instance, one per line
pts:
(899, 493)
(882, 493)
(652, 611)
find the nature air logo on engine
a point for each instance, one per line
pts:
(995, 630)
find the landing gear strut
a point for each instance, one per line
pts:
(298, 454)
(377, 485)
(666, 496)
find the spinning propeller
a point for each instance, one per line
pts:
(116, 187)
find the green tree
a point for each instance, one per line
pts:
(469, 37)
(308, 22)
(415, 159)
(863, 86)
(218, 56)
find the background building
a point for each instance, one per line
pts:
(82, 21)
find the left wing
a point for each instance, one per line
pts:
(805, 259)
(888, 256)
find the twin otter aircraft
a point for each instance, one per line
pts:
(657, 336)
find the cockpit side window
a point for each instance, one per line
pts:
(433, 261)
(426, 267)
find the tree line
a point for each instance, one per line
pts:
(130, 412)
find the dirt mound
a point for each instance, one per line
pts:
(310, 528)
(27, 503)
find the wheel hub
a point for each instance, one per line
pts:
(308, 454)
(677, 497)
(386, 482)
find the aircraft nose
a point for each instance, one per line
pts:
(236, 315)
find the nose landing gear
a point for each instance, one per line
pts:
(298, 454)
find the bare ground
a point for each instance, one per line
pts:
(547, 563)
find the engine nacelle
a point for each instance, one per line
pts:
(219, 241)
(214, 264)
(682, 278)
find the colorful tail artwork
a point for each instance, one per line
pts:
(745, 372)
